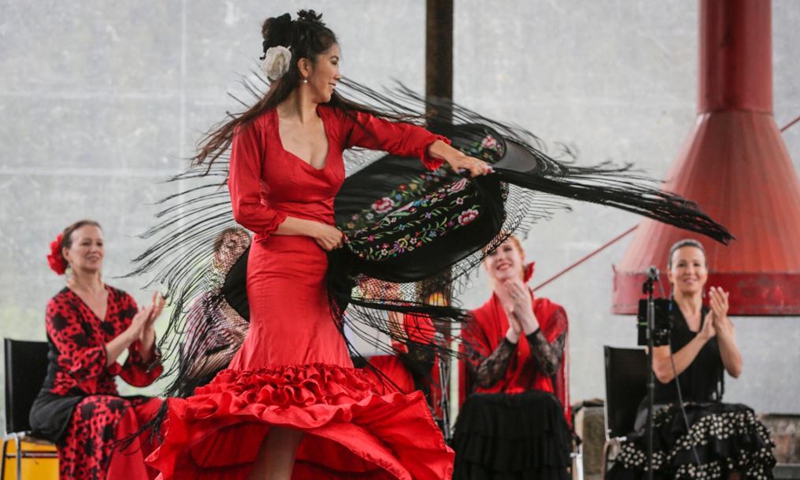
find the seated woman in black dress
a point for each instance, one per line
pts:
(89, 326)
(515, 424)
(723, 440)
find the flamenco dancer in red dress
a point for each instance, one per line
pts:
(291, 405)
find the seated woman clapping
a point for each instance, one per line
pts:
(515, 424)
(89, 326)
(714, 439)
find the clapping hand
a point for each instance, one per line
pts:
(139, 323)
(148, 332)
(517, 302)
(514, 327)
(718, 301)
(708, 331)
(518, 294)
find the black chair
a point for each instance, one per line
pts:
(25, 371)
(626, 387)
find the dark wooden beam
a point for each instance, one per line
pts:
(439, 55)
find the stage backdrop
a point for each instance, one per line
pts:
(100, 101)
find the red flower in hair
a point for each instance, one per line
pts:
(56, 259)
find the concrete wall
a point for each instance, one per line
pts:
(101, 100)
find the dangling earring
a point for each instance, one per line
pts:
(305, 80)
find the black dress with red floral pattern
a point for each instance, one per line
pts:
(79, 407)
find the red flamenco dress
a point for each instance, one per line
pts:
(79, 408)
(294, 369)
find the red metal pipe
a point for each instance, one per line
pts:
(790, 124)
(618, 237)
(587, 257)
(735, 56)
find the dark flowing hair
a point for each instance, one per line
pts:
(305, 37)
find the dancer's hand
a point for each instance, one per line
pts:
(328, 237)
(457, 160)
(461, 162)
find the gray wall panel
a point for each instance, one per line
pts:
(100, 100)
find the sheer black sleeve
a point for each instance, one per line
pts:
(489, 370)
(547, 356)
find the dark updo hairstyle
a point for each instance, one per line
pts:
(305, 37)
(66, 235)
(58, 263)
(686, 242)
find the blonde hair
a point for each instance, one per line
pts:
(509, 237)
(517, 243)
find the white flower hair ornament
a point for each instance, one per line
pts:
(276, 62)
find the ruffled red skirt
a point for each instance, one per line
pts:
(350, 430)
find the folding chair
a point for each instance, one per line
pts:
(25, 371)
(626, 386)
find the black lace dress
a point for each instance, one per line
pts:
(514, 426)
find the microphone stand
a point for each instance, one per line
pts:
(647, 288)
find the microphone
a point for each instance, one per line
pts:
(652, 273)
